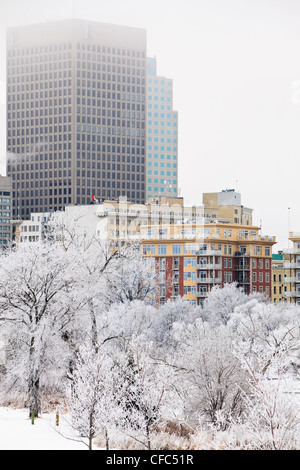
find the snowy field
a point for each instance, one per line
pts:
(17, 432)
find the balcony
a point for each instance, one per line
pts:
(291, 265)
(241, 254)
(291, 251)
(210, 280)
(242, 267)
(291, 279)
(209, 266)
(290, 294)
(209, 253)
(243, 281)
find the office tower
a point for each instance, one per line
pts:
(75, 114)
(5, 211)
(162, 135)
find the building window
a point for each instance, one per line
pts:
(162, 249)
(176, 249)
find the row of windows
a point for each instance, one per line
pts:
(39, 59)
(110, 50)
(39, 49)
(42, 74)
(83, 185)
(59, 119)
(49, 48)
(41, 202)
(103, 67)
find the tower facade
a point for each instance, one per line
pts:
(162, 136)
(76, 124)
(5, 211)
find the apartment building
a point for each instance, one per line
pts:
(277, 278)
(162, 135)
(76, 104)
(291, 268)
(190, 260)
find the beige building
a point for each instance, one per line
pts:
(291, 266)
(122, 220)
(277, 278)
(226, 207)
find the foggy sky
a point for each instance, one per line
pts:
(236, 71)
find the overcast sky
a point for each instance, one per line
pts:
(236, 71)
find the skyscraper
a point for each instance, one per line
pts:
(76, 124)
(162, 135)
(5, 211)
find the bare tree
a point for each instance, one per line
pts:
(41, 288)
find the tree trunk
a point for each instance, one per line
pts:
(91, 434)
(106, 439)
(34, 400)
(148, 437)
(34, 397)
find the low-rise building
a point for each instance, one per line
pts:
(291, 266)
(34, 229)
(277, 278)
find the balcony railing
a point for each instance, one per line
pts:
(210, 280)
(209, 252)
(242, 267)
(209, 266)
(241, 254)
(291, 251)
(243, 281)
(290, 294)
(291, 265)
(291, 279)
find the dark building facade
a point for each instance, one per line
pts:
(76, 105)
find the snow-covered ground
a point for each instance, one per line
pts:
(18, 433)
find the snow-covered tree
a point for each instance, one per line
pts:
(40, 292)
(132, 278)
(146, 393)
(267, 328)
(91, 399)
(271, 415)
(167, 315)
(221, 302)
(210, 375)
(124, 321)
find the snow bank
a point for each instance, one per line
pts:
(17, 432)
